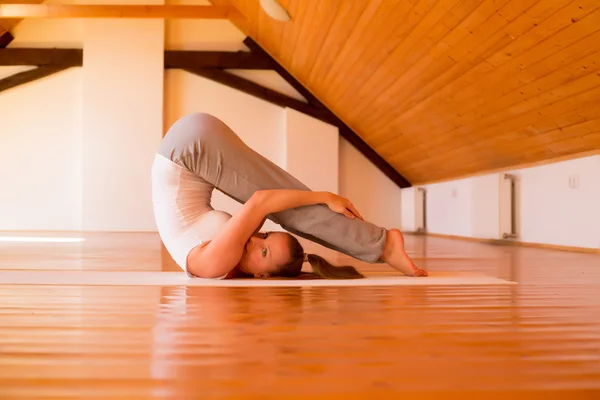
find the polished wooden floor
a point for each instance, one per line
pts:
(538, 339)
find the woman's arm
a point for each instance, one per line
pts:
(224, 252)
(274, 201)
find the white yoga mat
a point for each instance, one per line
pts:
(149, 278)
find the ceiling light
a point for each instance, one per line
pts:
(274, 10)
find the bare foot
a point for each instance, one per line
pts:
(394, 254)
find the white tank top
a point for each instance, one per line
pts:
(184, 216)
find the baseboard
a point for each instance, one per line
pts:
(574, 249)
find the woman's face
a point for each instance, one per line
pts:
(265, 253)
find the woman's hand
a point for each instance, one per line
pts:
(342, 205)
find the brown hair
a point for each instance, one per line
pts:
(320, 266)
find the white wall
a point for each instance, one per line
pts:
(121, 122)
(551, 212)
(40, 157)
(408, 204)
(485, 206)
(449, 208)
(40, 141)
(548, 210)
(375, 196)
(312, 149)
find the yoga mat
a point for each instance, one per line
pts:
(150, 278)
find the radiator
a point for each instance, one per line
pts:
(508, 205)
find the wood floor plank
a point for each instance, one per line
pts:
(536, 340)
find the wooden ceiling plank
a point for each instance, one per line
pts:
(578, 129)
(545, 28)
(592, 140)
(410, 52)
(406, 20)
(466, 117)
(19, 11)
(520, 147)
(313, 34)
(580, 108)
(575, 34)
(474, 79)
(278, 45)
(434, 26)
(566, 106)
(399, 64)
(271, 30)
(453, 155)
(534, 54)
(433, 57)
(494, 104)
(292, 33)
(379, 41)
(566, 146)
(555, 23)
(582, 72)
(363, 35)
(475, 28)
(341, 28)
(465, 68)
(512, 75)
(456, 62)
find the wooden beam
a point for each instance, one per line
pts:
(5, 38)
(112, 11)
(261, 92)
(34, 56)
(345, 131)
(215, 59)
(373, 156)
(256, 49)
(29, 76)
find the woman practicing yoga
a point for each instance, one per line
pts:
(200, 153)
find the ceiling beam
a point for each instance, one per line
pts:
(215, 59)
(256, 49)
(43, 56)
(256, 90)
(345, 131)
(209, 64)
(30, 76)
(5, 38)
(19, 11)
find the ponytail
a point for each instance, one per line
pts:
(326, 270)
(321, 268)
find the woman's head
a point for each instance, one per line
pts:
(264, 253)
(279, 254)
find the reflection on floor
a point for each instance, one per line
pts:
(537, 339)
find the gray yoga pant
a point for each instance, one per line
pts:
(207, 147)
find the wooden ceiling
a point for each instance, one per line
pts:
(444, 88)
(447, 88)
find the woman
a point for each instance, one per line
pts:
(200, 153)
